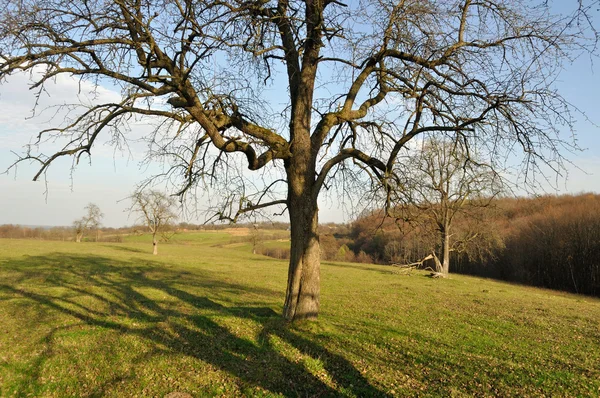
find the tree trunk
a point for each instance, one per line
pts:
(155, 245)
(445, 252)
(304, 279)
(78, 238)
(304, 274)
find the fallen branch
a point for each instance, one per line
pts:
(416, 264)
(437, 275)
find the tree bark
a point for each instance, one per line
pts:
(445, 252)
(304, 279)
(155, 245)
(304, 274)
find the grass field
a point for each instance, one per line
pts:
(99, 319)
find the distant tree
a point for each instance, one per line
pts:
(442, 184)
(94, 217)
(256, 237)
(156, 211)
(79, 227)
(91, 220)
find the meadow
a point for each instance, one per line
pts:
(203, 318)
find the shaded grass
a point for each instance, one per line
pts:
(111, 320)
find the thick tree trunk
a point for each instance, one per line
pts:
(78, 238)
(304, 274)
(155, 245)
(304, 279)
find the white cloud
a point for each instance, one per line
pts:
(24, 115)
(110, 177)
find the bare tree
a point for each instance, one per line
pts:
(155, 209)
(256, 237)
(91, 220)
(442, 184)
(94, 217)
(363, 79)
(79, 228)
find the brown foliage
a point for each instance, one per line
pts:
(549, 241)
(279, 253)
(557, 246)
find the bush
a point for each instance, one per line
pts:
(275, 252)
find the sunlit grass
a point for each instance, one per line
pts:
(196, 237)
(112, 320)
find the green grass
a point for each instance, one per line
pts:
(112, 320)
(208, 238)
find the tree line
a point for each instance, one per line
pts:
(63, 233)
(548, 241)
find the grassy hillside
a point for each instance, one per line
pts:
(203, 318)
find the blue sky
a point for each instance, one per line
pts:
(111, 177)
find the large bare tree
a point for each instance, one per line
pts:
(312, 92)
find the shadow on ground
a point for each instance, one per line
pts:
(380, 269)
(126, 249)
(117, 287)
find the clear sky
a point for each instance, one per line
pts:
(111, 176)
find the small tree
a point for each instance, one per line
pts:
(79, 227)
(444, 184)
(94, 217)
(155, 210)
(91, 220)
(256, 237)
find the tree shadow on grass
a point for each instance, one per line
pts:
(128, 249)
(362, 267)
(112, 294)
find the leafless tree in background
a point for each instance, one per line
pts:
(156, 211)
(256, 237)
(94, 217)
(442, 184)
(79, 227)
(92, 220)
(355, 83)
